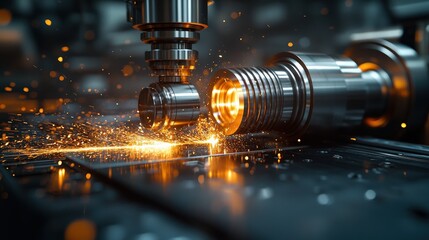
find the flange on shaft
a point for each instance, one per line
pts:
(406, 84)
(379, 85)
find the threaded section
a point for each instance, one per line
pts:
(264, 98)
(257, 104)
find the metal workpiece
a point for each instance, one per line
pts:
(171, 28)
(165, 105)
(293, 92)
(379, 84)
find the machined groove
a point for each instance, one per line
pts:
(316, 93)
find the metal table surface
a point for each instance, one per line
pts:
(364, 188)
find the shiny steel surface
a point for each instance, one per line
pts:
(165, 35)
(406, 83)
(162, 105)
(150, 14)
(170, 26)
(172, 55)
(383, 86)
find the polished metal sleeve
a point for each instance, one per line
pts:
(301, 93)
(164, 105)
(151, 14)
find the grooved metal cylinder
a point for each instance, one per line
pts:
(301, 93)
(171, 28)
(164, 105)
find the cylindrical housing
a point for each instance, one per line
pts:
(164, 105)
(155, 14)
(316, 93)
(404, 81)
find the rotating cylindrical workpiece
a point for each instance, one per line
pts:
(163, 105)
(316, 93)
(171, 27)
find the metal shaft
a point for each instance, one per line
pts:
(379, 84)
(171, 28)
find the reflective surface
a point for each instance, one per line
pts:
(164, 105)
(242, 187)
(171, 27)
(380, 86)
(227, 103)
(336, 192)
(149, 14)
